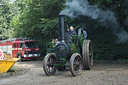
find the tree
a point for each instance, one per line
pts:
(37, 19)
(7, 11)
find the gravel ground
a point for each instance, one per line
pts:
(101, 74)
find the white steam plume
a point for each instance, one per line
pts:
(122, 37)
(76, 8)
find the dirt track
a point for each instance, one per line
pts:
(101, 74)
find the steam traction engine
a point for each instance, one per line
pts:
(72, 50)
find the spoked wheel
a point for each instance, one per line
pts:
(48, 64)
(87, 53)
(76, 64)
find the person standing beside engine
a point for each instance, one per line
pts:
(85, 34)
(72, 31)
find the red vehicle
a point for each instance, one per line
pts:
(21, 48)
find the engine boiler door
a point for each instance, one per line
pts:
(62, 50)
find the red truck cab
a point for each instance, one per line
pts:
(21, 48)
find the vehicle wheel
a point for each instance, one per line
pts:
(48, 64)
(87, 53)
(20, 58)
(75, 64)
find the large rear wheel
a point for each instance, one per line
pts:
(87, 53)
(75, 64)
(48, 64)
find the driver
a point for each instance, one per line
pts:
(72, 31)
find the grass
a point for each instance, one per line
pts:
(122, 60)
(118, 61)
(41, 58)
(14, 69)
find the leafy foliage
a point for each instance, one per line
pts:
(39, 19)
(5, 18)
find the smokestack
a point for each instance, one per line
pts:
(62, 29)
